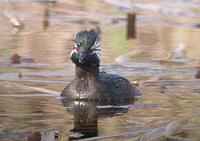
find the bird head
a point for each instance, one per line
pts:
(86, 49)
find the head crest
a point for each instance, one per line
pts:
(86, 36)
(87, 41)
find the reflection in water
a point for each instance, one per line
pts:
(166, 73)
(86, 116)
(46, 17)
(85, 119)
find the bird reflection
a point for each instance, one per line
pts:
(86, 114)
(85, 120)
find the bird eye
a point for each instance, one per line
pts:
(82, 43)
(91, 51)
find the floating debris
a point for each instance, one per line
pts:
(180, 51)
(197, 26)
(48, 2)
(17, 59)
(162, 89)
(44, 136)
(20, 75)
(136, 83)
(16, 24)
(53, 2)
(197, 75)
(76, 135)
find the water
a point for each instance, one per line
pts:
(163, 59)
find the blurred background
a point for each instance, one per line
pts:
(153, 43)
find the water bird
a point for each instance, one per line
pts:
(89, 83)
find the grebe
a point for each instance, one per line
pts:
(89, 83)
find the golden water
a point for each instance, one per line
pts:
(171, 91)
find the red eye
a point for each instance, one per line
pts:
(92, 50)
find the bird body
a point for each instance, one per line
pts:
(106, 87)
(91, 84)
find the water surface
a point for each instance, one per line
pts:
(164, 59)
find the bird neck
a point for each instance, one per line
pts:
(87, 71)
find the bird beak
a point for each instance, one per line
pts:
(82, 58)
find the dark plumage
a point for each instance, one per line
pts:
(89, 83)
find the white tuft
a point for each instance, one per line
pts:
(96, 49)
(75, 45)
